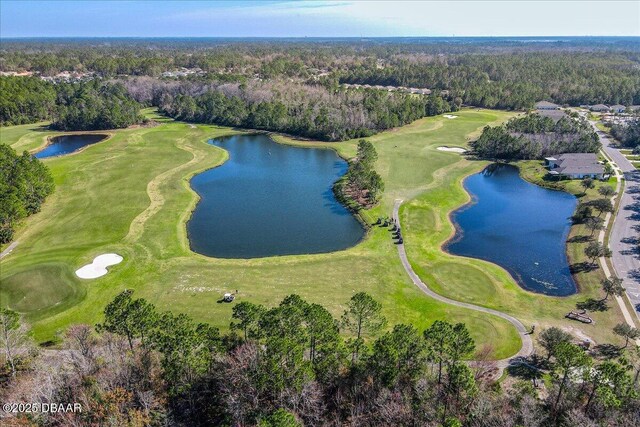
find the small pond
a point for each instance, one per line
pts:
(270, 199)
(65, 144)
(519, 226)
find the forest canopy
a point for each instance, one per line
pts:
(493, 73)
(534, 136)
(298, 109)
(24, 184)
(296, 364)
(89, 105)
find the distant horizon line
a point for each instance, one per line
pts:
(318, 37)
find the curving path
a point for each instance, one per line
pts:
(9, 248)
(527, 342)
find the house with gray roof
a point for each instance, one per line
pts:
(552, 114)
(599, 108)
(618, 108)
(546, 105)
(575, 166)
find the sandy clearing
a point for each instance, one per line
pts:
(453, 149)
(99, 266)
(449, 116)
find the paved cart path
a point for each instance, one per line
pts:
(527, 342)
(8, 250)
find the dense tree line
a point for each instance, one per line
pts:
(25, 100)
(24, 184)
(307, 110)
(86, 105)
(534, 136)
(93, 105)
(628, 133)
(493, 73)
(514, 81)
(361, 186)
(295, 364)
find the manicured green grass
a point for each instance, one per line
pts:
(24, 137)
(130, 195)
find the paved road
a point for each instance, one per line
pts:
(527, 342)
(8, 249)
(623, 240)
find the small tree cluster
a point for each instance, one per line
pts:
(362, 185)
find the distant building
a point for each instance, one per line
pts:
(553, 114)
(600, 108)
(618, 108)
(546, 105)
(575, 166)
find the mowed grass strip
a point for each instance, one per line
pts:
(111, 185)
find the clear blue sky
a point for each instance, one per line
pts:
(317, 18)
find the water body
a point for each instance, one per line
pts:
(270, 199)
(66, 144)
(519, 226)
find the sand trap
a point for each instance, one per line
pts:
(99, 266)
(449, 116)
(453, 149)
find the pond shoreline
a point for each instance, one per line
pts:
(283, 188)
(50, 140)
(472, 249)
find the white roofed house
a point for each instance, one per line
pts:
(618, 108)
(575, 166)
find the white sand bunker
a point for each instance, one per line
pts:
(449, 116)
(99, 266)
(453, 149)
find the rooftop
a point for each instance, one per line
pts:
(553, 114)
(577, 163)
(546, 104)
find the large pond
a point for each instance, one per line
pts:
(270, 199)
(518, 225)
(66, 144)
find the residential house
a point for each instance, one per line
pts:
(575, 166)
(546, 105)
(600, 108)
(553, 114)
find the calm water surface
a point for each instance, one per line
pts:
(66, 144)
(518, 225)
(270, 199)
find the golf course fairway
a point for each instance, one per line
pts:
(130, 195)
